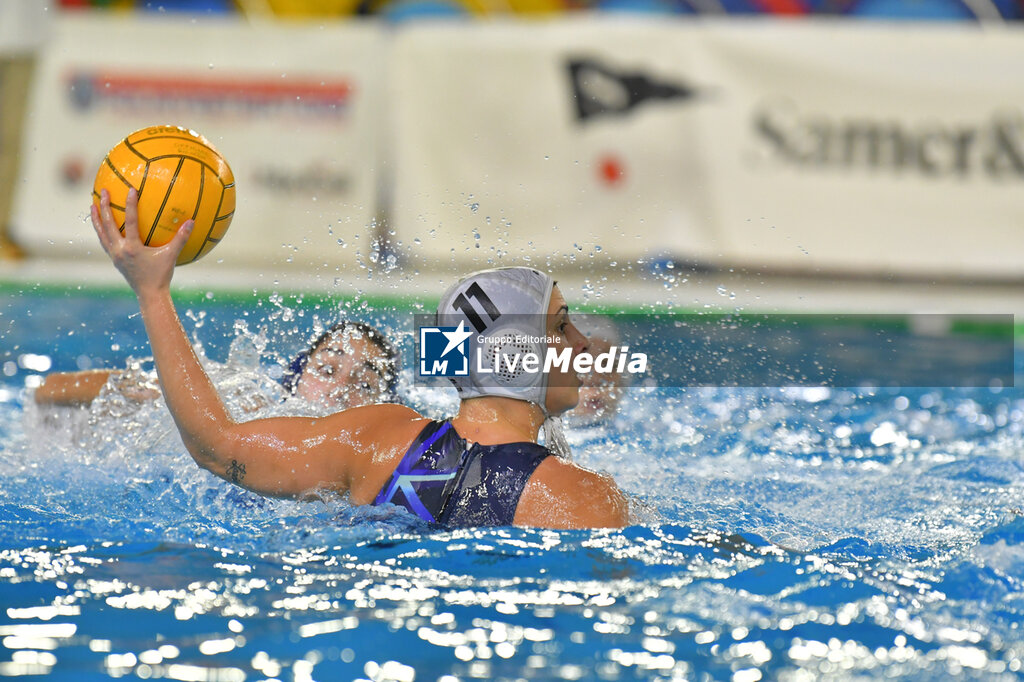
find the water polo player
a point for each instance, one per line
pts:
(348, 365)
(483, 467)
(600, 394)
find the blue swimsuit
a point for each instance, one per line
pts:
(443, 480)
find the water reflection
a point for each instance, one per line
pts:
(787, 534)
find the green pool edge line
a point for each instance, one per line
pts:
(186, 295)
(195, 296)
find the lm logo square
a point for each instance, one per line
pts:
(444, 351)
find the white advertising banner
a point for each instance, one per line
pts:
(867, 148)
(554, 140)
(810, 146)
(293, 108)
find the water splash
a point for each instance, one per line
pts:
(797, 533)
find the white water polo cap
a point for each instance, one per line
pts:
(506, 311)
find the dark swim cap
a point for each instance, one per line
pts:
(290, 379)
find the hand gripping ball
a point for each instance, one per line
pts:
(179, 176)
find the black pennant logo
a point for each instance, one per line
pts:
(598, 90)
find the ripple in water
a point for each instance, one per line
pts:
(782, 535)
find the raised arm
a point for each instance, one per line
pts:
(71, 389)
(289, 456)
(76, 389)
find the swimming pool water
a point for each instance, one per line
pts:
(783, 534)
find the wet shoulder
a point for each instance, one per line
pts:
(562, 494)
(383, 423)
(378, 436)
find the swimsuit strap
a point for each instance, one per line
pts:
(490, 481)
(418, 470)
(443, 480)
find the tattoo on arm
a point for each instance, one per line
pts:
(236, 471)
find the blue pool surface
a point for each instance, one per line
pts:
(782, 534)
